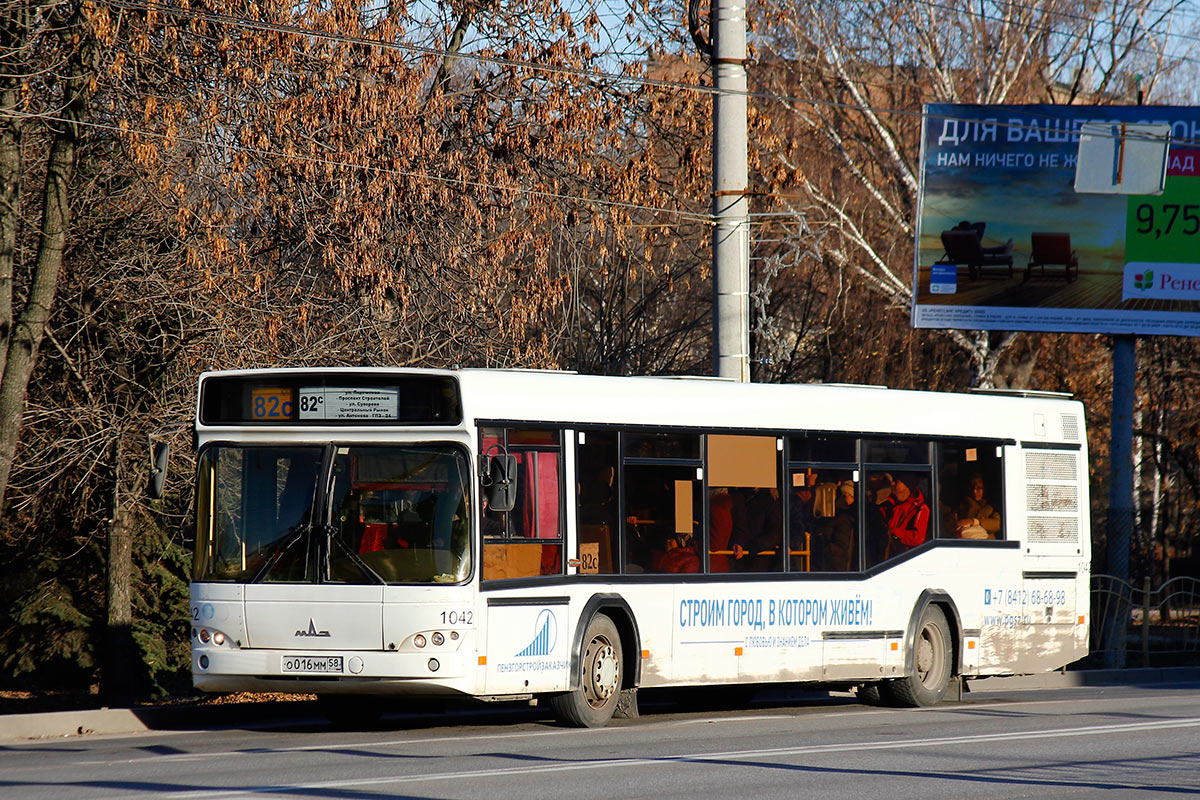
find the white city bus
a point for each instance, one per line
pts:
(512, 534)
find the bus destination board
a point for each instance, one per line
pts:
(271, 404)
(330, 402)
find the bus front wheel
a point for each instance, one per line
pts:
(601, 674)
(932, 662)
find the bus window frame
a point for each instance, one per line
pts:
(862, 571)
(781, 467)
(1000, 503)
(323, 499)
(507, 538)
(698, 463)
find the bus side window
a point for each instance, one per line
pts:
(899, 497)
(745, 509)
(596, 495)
(899, 517)
(662, 501)
(528, 540)
(970, 486)
(823, 503)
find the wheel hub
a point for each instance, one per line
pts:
(604, 674)
(924, 656)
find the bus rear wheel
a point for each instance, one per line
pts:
(932, 661)
(601, 673)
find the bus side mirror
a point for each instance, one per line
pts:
(160, 452)
(500, 482)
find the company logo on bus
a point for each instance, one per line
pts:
(545, 635)
(312, 630)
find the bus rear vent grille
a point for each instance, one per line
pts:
(1052, 497)
(1070, 427)
(1047, 466)
(1053, 529)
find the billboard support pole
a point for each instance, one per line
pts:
(1120, 490)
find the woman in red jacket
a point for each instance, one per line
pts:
(907, 516)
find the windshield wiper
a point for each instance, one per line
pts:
(354, 559)
(297, 532)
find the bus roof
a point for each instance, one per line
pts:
(573, 399)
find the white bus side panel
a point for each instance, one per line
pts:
(528, 647)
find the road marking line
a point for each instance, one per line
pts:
(840, 712)
(308, 788)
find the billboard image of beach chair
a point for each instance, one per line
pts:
(1052, 250)
(963, 245)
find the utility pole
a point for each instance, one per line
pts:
(731, 212)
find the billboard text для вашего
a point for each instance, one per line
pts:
(1004, 242)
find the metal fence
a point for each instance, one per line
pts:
(1136, 626)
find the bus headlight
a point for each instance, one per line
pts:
(205, 635)
(419, 640)
(218, 638)
(437, 638)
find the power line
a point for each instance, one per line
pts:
(1055, 31)
(1059, 14)
(298, 30)
(703, 219)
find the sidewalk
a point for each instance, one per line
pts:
(59, 724)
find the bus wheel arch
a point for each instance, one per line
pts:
(616, 609)
(607, 630)
(932, 652)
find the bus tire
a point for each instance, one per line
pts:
(868, 694)
(601, 673)
(932, 663)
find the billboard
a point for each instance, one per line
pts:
(1004, 242)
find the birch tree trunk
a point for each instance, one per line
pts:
(29, 329)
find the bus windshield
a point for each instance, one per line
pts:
(399, 513)
(396, 514)
(254, 513)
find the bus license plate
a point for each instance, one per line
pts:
(324, 664)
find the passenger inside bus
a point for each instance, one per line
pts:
(597, 515)
(757, 546)
(647, 520)
(720, 529)
(976, 518)
(661, 519)
(802, 521)
(836, 534)
(906, 515)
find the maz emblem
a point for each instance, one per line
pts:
(312, 630)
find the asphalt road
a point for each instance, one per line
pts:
(1079, 742)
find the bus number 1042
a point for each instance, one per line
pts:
(458, 617)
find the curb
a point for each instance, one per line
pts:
(70, 723)
(61, 724)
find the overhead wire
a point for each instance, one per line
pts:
(620, 78)
(657, 83)
(703, 219)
